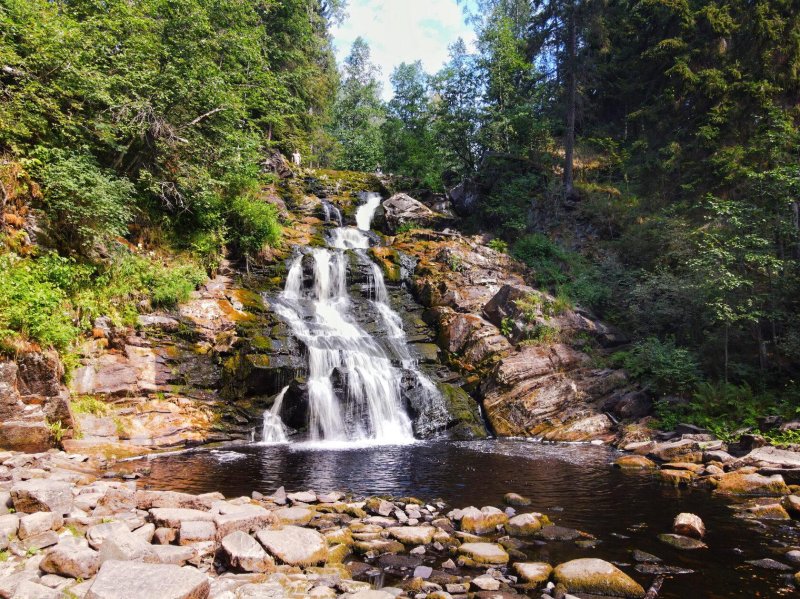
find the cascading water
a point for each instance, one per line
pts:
(273, 430)
(354, 382)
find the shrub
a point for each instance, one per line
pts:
(499, 245)
(85, 204)
(254, 224)
(663, 367)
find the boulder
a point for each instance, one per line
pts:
(34, 524)
(171, 554)
(247, 518)
(524, 524)
(244, 553)
(482, 521)
(598, 577)
(464, 198)
(484, 553)
(98, 533)
(294, 546)
(294, 515)
(413, 535)
(71, 558)
(27, 589)
(634, 462)
(684, 450)
(401, 209)
(126, 546)
(173, 517)
(42, 495)
(752, 484)
(533, 572)
(516, 500)
(689, 525)
(196, 531)
(133, 580)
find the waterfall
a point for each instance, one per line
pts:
(353, 382)
(273, 430)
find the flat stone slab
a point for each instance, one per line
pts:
(484, 553)
(413, 535)
(135, 580)
(243, 552)
(294, 546)
(533, 572)
(294, 515)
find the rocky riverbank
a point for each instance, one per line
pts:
(71, 528)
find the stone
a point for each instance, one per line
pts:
(643, 557)
(40, 541)
(244, 553)
(751, 484)
(42, 495)
(681, 542)
(173, 517)
(769, 564)
(146, 532)
(723, 457)
(294, 515)
(294, 546)
(302, 497)
(792, 504)
(247, 518)
(558, 533)
(533, 572)
(793, 556)
(677, 477)
(596, 576)
(71, 558)
(147, 500)
(689, 525)
(196, 531)
(635, 462)
(524, 525)
(772, 457)
(28, 589)
(484, 553)
(126, 546)
(134, 580)
(413, 535)
(34, 524)
(684, 450)
(402, 208)
(482, 521)
(378, 546)
(172, 554)
(516, 500)
(486, 583)
(165, 536)
(422, 572)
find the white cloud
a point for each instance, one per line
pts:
(403, 31)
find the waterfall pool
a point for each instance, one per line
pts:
(574, 484)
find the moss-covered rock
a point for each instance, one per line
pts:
(598, 577)
(465, 416)
(635, 462)
(752, 484)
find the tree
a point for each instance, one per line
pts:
(359, 112)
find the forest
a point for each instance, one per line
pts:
(642, 157)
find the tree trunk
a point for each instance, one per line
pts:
(572, 92)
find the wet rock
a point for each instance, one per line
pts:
(689, 525)
(294, 546)
(484, 553)
(590, 575)
(634, 462)
(516, 500)
(684, 450)
(681, 542)
(769, 564)
(792, 504)
(42, 495)
(133, 580)
(768, 511)
(524, 525)
(244, 553)
(751, 484)
(533, 572)
(677, 477)
(643, 557)
(558, 533)
(71, 558)
(482, 521)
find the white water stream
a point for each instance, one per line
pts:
(354, 388)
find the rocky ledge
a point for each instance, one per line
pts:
(68, 533)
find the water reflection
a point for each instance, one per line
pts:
(572, 483)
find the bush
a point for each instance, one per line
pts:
(663, 367)
(84, 204)
(499, 245)
(254, 224)
(32, 305)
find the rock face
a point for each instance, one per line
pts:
(597, 577)
(401, 209)
(132, 580)
(541, 388)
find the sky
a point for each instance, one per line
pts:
(403, 31)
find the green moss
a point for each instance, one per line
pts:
(464, 410)
(261, 343)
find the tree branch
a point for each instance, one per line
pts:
(203, 117)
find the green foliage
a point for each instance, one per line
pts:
(498, 245)
(57, 430)
(84, 204)
(89, 405)
(4, 555)
(541, 334)
(455, 263)
(407, 226)
(665, 368)
(254, 224)
(507, 327)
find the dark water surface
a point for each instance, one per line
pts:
(574, 484)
